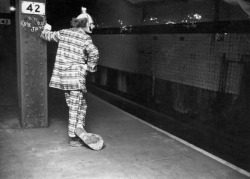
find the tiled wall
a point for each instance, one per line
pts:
(197, 60)
(118, 51)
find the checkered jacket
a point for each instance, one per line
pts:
(75, 49)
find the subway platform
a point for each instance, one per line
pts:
(133, 149)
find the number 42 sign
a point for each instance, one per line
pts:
(33, 8)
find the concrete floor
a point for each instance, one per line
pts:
(132, 150)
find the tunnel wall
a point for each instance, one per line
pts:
(185, 70)
(193, 69)
(192, 59)
(195, 76)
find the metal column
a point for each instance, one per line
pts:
(31, 64)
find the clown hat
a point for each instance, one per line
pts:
(84, 15)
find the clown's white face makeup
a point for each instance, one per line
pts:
(90, 25)
(89, 28)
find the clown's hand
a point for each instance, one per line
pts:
(85, 67)
(47, 27)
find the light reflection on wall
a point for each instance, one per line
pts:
(176, 12)
(193, 18)
(119, 23)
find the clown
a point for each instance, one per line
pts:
(76, 55)
(90, 23)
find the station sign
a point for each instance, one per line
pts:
(33, 8)
(5, 21)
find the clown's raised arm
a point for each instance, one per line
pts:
(48, 35)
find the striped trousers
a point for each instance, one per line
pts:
(77, 110)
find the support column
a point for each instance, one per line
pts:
(31, 64)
